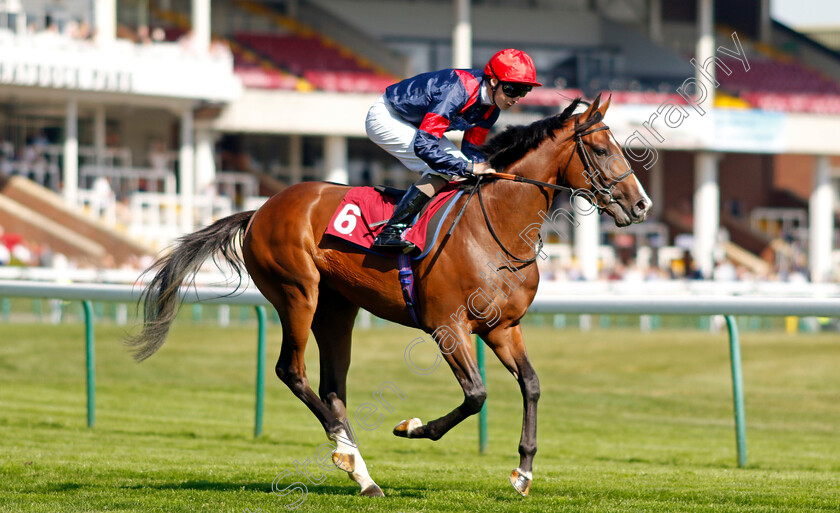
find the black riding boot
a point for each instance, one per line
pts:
(390, 238)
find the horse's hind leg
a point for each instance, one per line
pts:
(508, 345)
(333, 326)
(296, 305)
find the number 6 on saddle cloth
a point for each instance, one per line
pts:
(362, 214)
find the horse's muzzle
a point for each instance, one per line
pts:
(640, 210)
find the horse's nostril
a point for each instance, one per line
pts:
(641, 207)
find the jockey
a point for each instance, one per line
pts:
(410, 119)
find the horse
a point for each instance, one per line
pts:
(318, 283)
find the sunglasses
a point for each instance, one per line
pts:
(513, 90)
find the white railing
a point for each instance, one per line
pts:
(254, 203)
(211, 208)
(108, 157)
(128, 180)
(689, 288)
(237, 186)
(572, 289)
(208, 276)
(154, 216)
(99, 206)
(40, 171)
(637, 304)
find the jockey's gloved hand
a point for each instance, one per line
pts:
(482, 168)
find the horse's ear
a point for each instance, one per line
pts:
(592, 107)
(603, 108)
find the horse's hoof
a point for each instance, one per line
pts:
(521, 481)
(407, 428)
(372, 491)
(346, 462)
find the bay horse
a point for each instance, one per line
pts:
(318, 283)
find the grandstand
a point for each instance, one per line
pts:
(154, 117)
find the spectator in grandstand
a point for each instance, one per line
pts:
(158, 35)
(102, 195)
(143, 36)
(725, 271)
(691, 271)
(157, 155)
(219, 47)
(410, 119)
(13, 249)
(188, 43)
(5, 252)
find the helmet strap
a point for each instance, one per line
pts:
(498, 81)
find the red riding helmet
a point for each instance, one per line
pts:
(511, 65)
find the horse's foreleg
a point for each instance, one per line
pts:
(462, 362)
(508, 345)
(332, 327)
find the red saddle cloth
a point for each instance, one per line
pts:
(363, 212)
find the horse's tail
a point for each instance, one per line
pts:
(161, 297)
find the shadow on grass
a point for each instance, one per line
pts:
(672, 462)
(192, 435)
(349, 490)
(63, 487)
(323, 490)
(204, 485)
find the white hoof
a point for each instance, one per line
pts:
(407, 428)
(348, 458)
(521, 481)
(372, 491)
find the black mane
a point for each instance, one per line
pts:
(516, 140)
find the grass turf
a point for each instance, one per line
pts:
(628, 422)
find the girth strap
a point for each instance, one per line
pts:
(407, 284)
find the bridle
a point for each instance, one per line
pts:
(602, 191)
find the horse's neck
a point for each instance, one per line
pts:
(523, 202)
(514, 207)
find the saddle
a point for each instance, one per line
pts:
(363, 212)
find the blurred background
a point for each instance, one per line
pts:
(125, 123)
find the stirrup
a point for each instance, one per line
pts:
(390, 239)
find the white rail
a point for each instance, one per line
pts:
(578, 304)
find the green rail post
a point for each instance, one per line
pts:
(89, 363)
(737, 390)
(482, 415)
(258, 417)
(5, 309)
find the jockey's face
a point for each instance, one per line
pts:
(501, 100)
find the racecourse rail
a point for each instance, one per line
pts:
(728, 306)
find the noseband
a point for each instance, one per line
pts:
(603, 189)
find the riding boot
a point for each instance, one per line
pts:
(390, 238)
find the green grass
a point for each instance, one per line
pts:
(628, 422)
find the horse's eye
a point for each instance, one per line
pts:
(601, 152)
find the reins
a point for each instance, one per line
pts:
(603, 189)
(585, 159)
(477, 188)
(513, 257)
